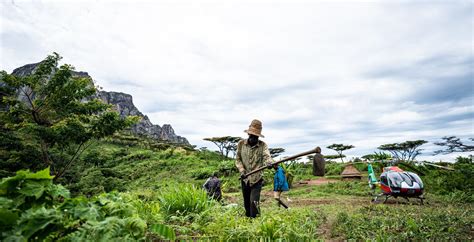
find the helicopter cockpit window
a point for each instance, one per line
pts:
(416, 178)
(407, 178)
(383, 179)
(395, 179)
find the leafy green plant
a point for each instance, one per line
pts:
(33, 208)
(164, 231)
(26, 204)
(28, 189)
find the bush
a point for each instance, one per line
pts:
(445, 182)
(167, 154)
(138, 156)
(182, 199)
(98, 180)
(203, 173)
(333, 168)
(96, 157)
(227, 168)
(361, 167)
(122, 152)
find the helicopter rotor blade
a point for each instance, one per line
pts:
(438, 166)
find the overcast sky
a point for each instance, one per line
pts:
(361, 73)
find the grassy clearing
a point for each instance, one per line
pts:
(405, 222)
(325, 215)
(316, 212)
(154, 194)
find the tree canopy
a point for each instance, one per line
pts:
(405, 151)
(377, 156)
(275, 152)
(453, 144)
(333, 157)
(339, 148)
(225, 144)
(48, 118)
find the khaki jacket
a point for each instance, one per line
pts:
(250, 158)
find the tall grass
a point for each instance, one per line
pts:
(229, 223)
(182, 199)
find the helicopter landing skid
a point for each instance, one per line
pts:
(421, 198)
(376, 197)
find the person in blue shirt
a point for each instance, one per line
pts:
(279, 184)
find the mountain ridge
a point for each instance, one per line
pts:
(123, 104)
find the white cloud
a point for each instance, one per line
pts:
(315, 73)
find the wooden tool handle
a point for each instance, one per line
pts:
(283, 160)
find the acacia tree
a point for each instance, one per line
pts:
(275, 152)
(232, 146)
(377, 156)
(406, 151)
(339, 148)
(50, 118)
(453, 144)
(333, 157)
(225, 144)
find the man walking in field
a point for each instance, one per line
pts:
(252, 153)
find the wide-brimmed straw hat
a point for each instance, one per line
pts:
(255, 128)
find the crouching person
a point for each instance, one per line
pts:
(213, 187)
(279, 184)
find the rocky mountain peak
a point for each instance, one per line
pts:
(123, 103)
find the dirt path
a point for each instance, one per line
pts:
(315, 182)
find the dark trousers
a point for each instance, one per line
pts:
(251, 198)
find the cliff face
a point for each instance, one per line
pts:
(123, 103)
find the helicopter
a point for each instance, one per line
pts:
(395, 182)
